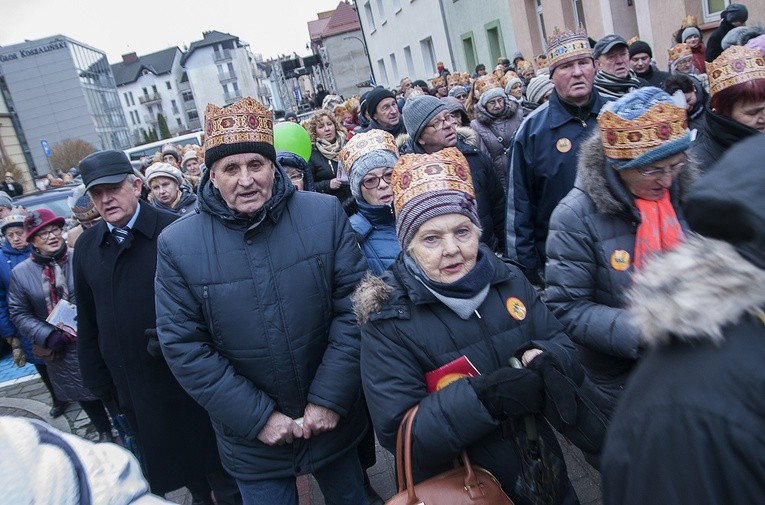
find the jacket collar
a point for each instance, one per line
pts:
(558, 115)
(145, 223)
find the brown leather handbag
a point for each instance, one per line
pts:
(463, 485)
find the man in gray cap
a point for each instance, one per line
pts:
(114, 272)
(732, 16)
(431, 129)
(614, 77)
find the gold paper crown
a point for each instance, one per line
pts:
(243, 121)
(541, 61)
(689, 21)
(680, 50)
(417, 174)
(625, 139)
(437, 82)
(735, 65)
(632, 40)
(464, 79)
(365, 143)
(506, 78)
(485, 82)
(567, 45)
(524, 65)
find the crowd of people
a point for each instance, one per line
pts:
(573, 243)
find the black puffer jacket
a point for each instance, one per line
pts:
(489, 195)
(590, 250)
(255, 316)
(407, 332)
(716, 135)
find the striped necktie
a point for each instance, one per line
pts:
(120, 234)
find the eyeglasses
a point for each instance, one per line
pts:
(439, 123)
(296, 177)
(53, 232)
(661, 172)
(373, 181)
(461, 96)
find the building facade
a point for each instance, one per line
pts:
(59, 89)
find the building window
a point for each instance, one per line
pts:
(409, 60)
(145, 92)
(541, 23)
(370, 16)
(579, 13)
(180, 123)
(428, 55)
(127, 99)
(154, 88)
(188, 96)
(713, 8)
(193, 115)
(174, 106)
(167, 83)
(382, 72)
(494, 37)
(132, 100)
(468, 47)
(394, 66)
(381, 11)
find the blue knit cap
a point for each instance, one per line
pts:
(644, 126)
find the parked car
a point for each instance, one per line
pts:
(53, 199)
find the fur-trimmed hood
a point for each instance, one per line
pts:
(604, 186)
(370, 296)
(691, 293)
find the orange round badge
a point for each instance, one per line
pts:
(563, 145)
(620, 260)
(516, 308)
(448, 379)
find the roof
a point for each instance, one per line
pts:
(343, 20)
(208, 39)
(158, 63)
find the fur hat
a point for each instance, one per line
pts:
(245, 126)
(430, 185)
(417, 113)
(39, 219)
(642, 127)
(365, 152)
(735, 12)
(538, 87)
(172, 152)
(163, 170)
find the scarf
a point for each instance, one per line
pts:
(395, 131)
(487, 118)
(610, 85)
(659, 228)
(54, 284)
(465, 295)
(330, 150)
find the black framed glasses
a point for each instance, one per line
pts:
(372, 181)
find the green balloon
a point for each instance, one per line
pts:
(292, 137)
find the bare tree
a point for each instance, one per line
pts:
(68, 153)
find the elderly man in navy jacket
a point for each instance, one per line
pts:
(254, 316)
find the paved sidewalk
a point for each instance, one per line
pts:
(27, 397)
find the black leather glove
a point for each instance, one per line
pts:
(58, 340)
(106, 393)
(152, 346)
(510, 392)
(571, 403)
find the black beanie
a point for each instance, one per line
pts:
(735, 12)
(376, 96)
(638, 47)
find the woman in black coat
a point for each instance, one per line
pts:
(328, 137)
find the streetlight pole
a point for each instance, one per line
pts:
(366, 53)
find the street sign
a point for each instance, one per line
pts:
(46, 147)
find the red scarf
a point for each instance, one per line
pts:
(659, 228)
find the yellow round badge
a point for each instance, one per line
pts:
(516, 308)
(563, 145)
(448, 379)
(620, 260)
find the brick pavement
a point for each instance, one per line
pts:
(28, 397)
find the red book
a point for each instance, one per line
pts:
(450, 372)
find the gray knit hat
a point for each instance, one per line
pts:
(689, 32)
(5, 200)
(491, 94)
(538, 87)
(418, 111)
(365, 152)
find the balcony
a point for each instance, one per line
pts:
(148, 119)
(221, 56)
(184, 86)
(190, 105)
(150, 99)
(232, 97)
(224, 77)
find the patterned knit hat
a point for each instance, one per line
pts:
(430, 185)
(564, 46)
(242, 127)
(735, 65)
(81, 204)
(365, 152)
(642, 127)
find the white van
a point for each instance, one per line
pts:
(136, 153)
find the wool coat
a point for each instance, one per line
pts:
(590, 265)
(115, 293)
(28, 309)
(254, 316)
(689, 427)
(407, 332)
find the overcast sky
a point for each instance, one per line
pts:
(271, 27)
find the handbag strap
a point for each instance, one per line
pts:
(404, 462)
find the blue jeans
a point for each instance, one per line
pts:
(341, 482)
